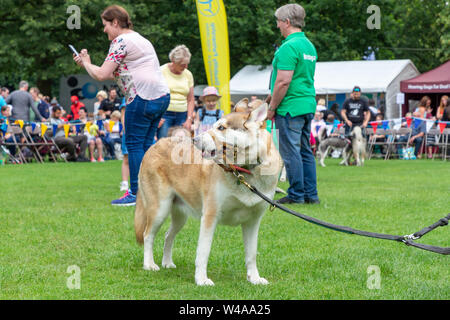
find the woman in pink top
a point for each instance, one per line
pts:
(133, 63)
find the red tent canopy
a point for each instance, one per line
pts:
(433, 81)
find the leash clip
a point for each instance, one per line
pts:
(410, 237)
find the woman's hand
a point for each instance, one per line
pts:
(187, 125)
(85, 58)
(77, 59)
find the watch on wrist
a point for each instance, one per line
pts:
(272, 109)
(190, 118)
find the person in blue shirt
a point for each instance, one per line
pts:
(208, 114)
(4, 92)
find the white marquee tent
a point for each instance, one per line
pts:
(379, 76)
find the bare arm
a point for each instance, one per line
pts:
(281, 86)
(105, 72)
(366, 119)
(190, 109)
(344, 117)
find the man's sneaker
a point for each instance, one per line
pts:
(93, 160)
(286, 200)
(124, 186)
(101, 160)
(128, 199)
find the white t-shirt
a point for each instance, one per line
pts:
(138, 72)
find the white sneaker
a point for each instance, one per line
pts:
(124, 186)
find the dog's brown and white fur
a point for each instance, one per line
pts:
(205, 191)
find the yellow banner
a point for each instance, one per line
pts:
(20, 123)
(88, 126)
(66, 129)
(111, 125)
(212, 20)
(43, 129)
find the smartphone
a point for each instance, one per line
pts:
(73, 50)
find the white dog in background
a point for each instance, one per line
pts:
(359, 145)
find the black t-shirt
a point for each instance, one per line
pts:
(355, 110)
(108, 105)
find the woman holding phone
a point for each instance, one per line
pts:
(133, 63)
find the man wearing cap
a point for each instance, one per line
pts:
(355, 111)
(293, 104)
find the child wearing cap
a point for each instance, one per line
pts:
(208, 114)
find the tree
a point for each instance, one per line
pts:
(34, 34)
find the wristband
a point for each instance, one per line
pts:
(272, 109)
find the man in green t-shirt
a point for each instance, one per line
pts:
(293, 104)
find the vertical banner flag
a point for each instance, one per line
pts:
(66, 129)
(212, 20)
(88, 126)
(43, 129)
(111, 126)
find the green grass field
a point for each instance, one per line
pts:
(58, 215)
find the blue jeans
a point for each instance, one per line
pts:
(141, 122)
(417, 143)
(295, 149)
(172, 119)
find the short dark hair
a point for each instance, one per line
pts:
(84, 109)
(4, 89)
(56, 108)
(119, 13)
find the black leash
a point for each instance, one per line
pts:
(407, 239)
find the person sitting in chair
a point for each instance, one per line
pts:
(68, 144)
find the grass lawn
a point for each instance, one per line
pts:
(57, 215)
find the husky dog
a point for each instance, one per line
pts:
(359, 145)
(186, 177)
(333, 143)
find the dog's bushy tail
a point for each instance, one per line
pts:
(140, 217)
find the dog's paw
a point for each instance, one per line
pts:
(257, 280)
(204, 282)
(169, 265)
(151, 267)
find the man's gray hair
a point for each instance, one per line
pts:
(294, 12)
(180, 53)
(23, 84)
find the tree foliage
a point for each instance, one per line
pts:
(34, 34)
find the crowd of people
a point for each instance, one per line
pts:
(359, 111)
(157, 98)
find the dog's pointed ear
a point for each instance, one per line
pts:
(241, 106)
(259, 114)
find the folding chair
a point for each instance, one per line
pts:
(373, 142)
(442, 143)
(394, 143)
(4, 147)
(55, 151)
(41, 147)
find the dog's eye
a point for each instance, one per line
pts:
(221, 128)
